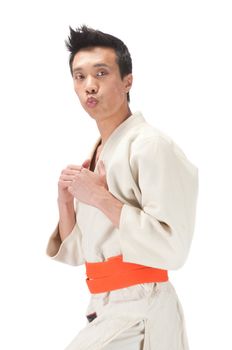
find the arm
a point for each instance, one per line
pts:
(64, 229)
(158, 233)
(67, 218)
(109, 205)
(65, 243)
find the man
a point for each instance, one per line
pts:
(135, 209)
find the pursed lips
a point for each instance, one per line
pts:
(91, 102)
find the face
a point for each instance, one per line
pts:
(98, 84)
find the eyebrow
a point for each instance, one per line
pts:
(97, 65)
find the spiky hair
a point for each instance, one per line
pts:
(86, 37)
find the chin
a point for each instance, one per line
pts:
(93, 114)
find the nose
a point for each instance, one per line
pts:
(91, 86)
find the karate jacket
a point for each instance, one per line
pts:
(158, 186)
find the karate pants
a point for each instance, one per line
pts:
(146, 316)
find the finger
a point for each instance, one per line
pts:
(70, 189)
(86, 163)
(64, 184)
(74, 167)
(66, 177)
(69, 172)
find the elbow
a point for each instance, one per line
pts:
(178, 254)
(176, 261)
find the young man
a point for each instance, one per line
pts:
(135, 209)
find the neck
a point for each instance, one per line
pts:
(109, 123)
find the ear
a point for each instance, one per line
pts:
(128, 79)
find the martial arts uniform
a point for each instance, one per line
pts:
(158, 185)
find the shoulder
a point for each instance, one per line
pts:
(147, 137)
(152, 143)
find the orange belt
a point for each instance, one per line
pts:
(116, 274)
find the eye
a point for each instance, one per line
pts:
(79, 76)
(101, 73)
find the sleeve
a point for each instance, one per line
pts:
(158, 233)
(69, 251)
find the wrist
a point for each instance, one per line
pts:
(110, 206)
(100, 197)
(68, 205)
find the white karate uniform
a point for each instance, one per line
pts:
(158, 185)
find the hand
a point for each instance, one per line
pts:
(66, 178)
(86, 185)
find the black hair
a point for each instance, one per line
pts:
(85, 37)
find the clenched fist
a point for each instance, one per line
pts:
(67, 176)
(87, 186)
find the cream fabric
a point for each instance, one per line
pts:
(69, 251)
(145, 316)
(149, 173)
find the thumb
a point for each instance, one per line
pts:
(86, 163)
(102, 173)
(101, 168)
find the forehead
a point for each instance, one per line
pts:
(95, 55)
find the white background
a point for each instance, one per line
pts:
(182, 58)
